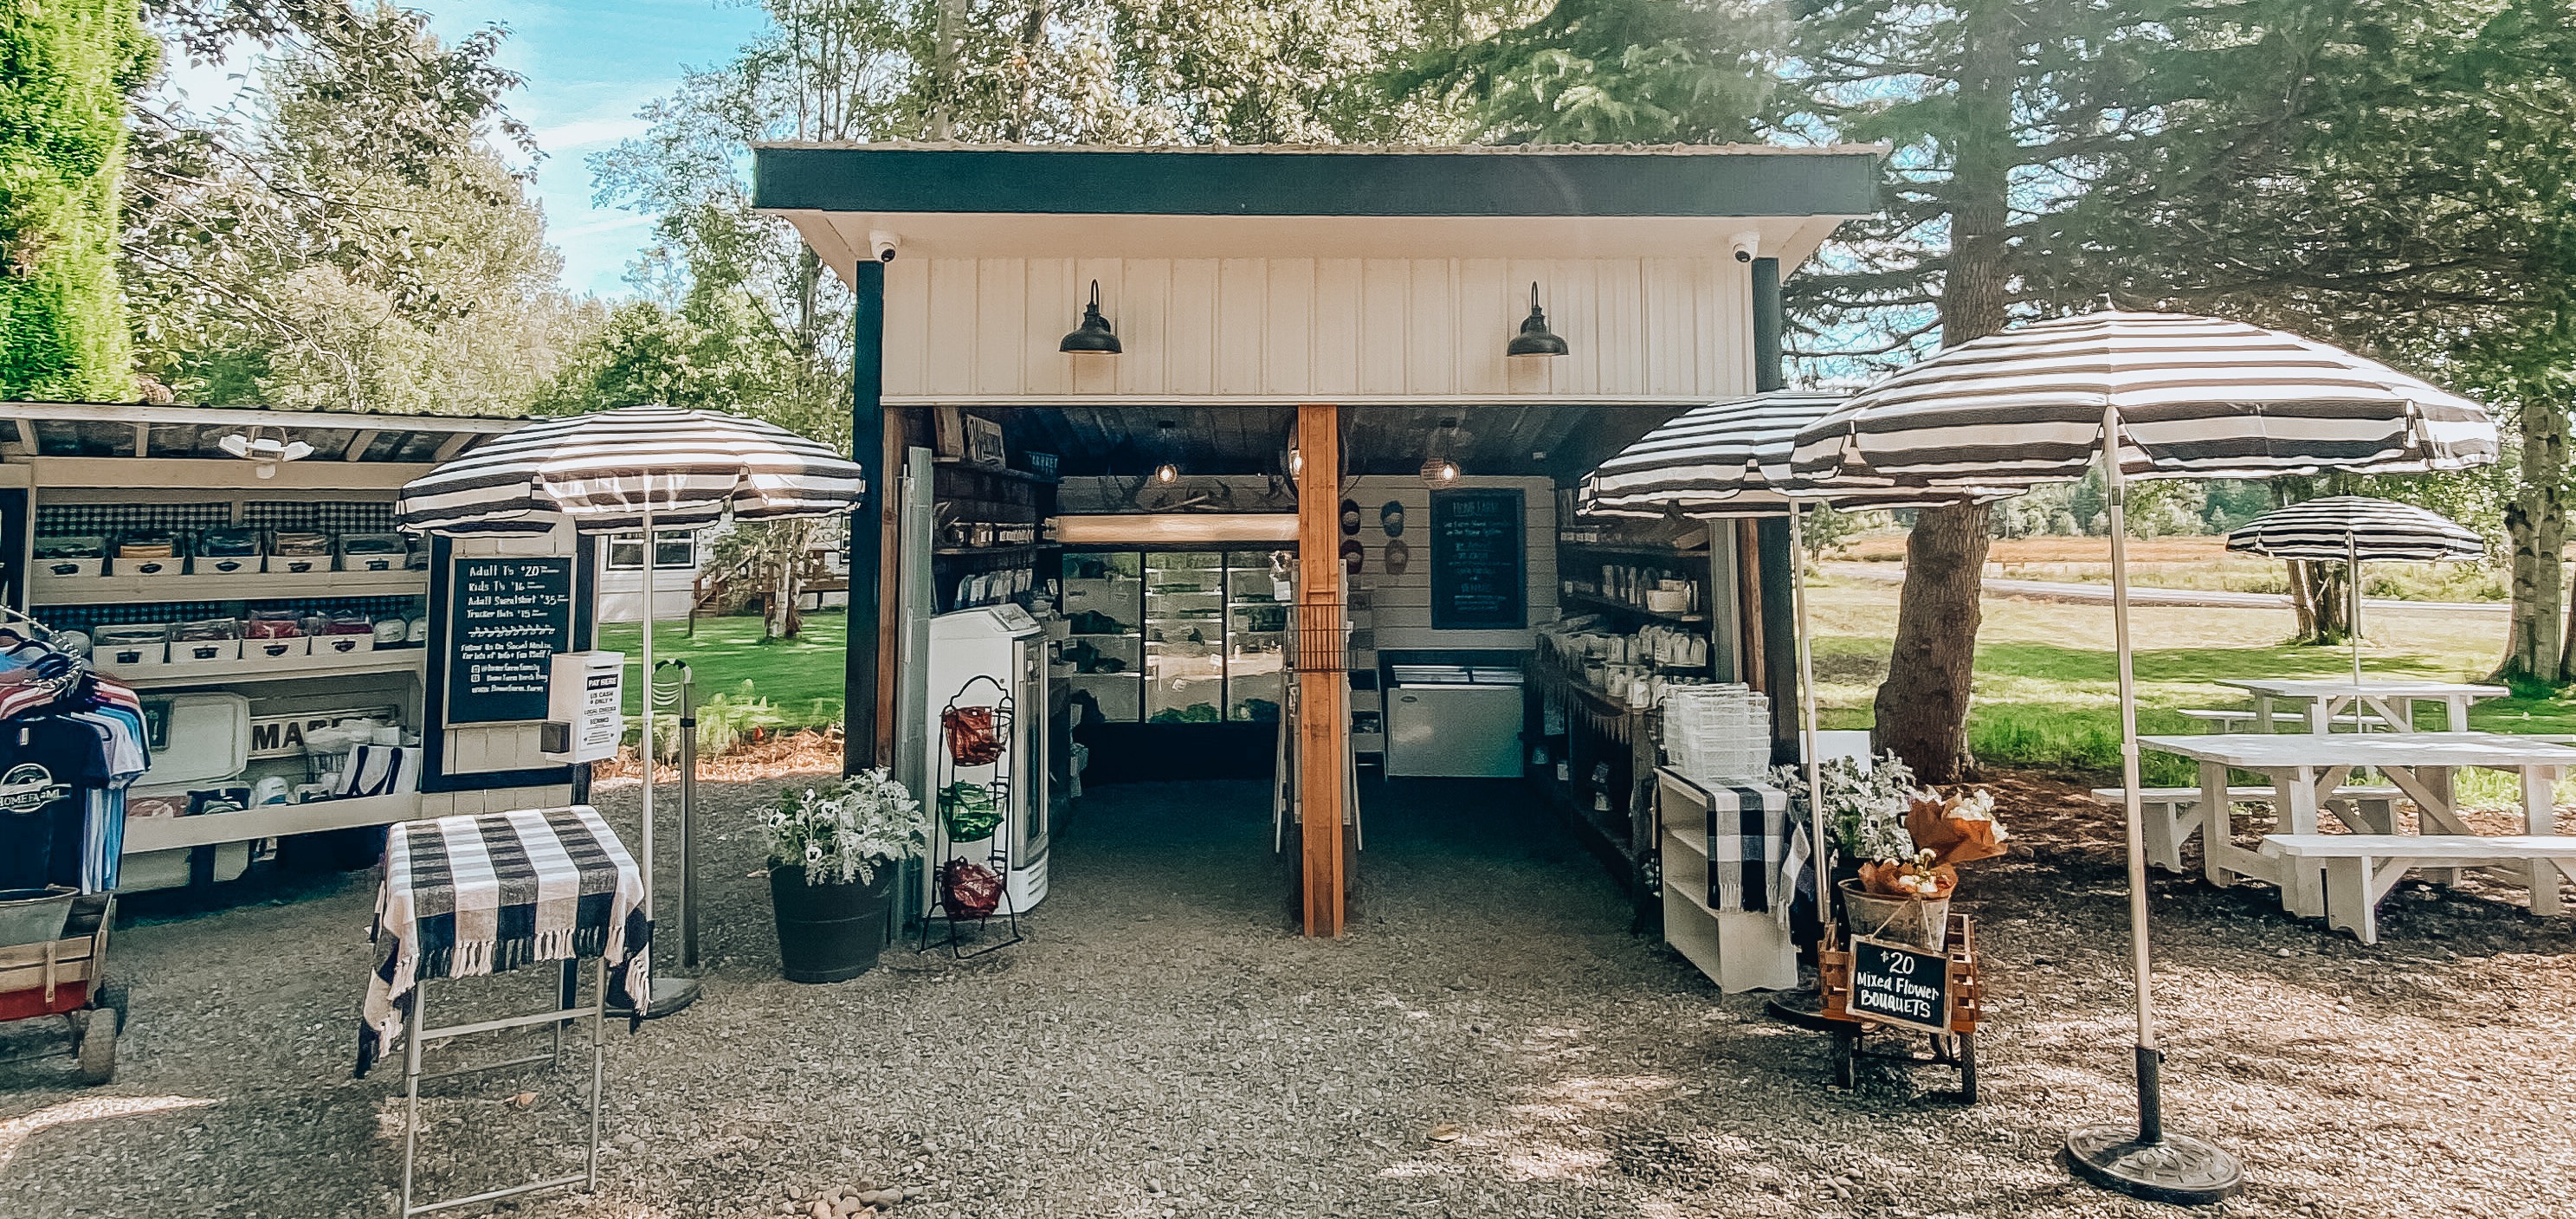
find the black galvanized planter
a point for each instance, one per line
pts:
(829, 932)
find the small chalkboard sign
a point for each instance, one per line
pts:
(506, 619)
(1900, 984)
(1479, 562)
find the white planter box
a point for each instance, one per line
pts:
(282, 652)
(204, 651)
(152, 567)
(299, 564)
(342, 645)
(69, 568)
(230, 565)
(131, 657)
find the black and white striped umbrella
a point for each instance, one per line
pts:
(2356, 528)
(1732, 459)
(2195, 397)
(604, 472)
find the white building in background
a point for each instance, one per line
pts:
(684, 578)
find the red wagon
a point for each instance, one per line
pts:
(61, 972)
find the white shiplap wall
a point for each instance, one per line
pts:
(1402, 604)
(985, 330)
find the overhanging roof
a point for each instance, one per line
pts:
(1678, 181)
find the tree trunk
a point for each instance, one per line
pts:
(1922, 707)
(2303, 601)
(2535, 645)
(2321, 596)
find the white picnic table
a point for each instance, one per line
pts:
(2323, 699)
(2305, 768)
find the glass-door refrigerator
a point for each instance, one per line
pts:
(1259, 597)
(1184, 637)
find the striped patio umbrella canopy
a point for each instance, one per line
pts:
(2341, 528)
(1732, 459)
(2195, 396)
(604, 472)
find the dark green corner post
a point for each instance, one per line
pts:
(1779, 610)
(867, 521)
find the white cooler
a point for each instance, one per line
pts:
(201, 741)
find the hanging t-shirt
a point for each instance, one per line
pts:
(47, 767)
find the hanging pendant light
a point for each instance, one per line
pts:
(1535, 339)
(1438, 469)
(1169, 470)
(1093, 337)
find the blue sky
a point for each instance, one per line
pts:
(589, 68)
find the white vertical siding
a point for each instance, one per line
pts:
(1642, 328)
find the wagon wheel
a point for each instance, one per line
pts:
(112, 997)
(1846, 1056)
(96, 1046)
(1968, 1068)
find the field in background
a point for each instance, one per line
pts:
(2046, 679)
(2190, 562)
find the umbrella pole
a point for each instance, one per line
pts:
(2144, 1161)
(1807, 712)
(670, 993)
(2352, 571)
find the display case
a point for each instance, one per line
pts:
(1178, 636)
(1104, 607)
(1184, 637)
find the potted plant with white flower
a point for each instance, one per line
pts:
(834, 852)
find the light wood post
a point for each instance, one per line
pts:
(1323, 685)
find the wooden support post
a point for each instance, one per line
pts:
(1323, 686)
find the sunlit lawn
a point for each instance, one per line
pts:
(802, 678)
(2046, 683)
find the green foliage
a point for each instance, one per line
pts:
(1612, 72)
(66, 68)
(356, 239)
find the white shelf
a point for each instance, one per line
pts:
(267, 821)
(247, 586)
(229, 672)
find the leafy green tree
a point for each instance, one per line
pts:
(357, 239)
(70, 66)
(1609, 72)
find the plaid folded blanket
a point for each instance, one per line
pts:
(1748, 841)
(467, 896)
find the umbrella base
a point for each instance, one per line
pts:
(1804, 1008)
(671, 996)
(2176, 1169)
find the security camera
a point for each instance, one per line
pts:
(1746, 245)
(882, 244)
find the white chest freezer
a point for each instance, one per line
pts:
(1454, 722)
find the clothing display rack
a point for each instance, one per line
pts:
(71, 743)
(969, 746)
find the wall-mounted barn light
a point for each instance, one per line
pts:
(1093, 337)
(1535, 339)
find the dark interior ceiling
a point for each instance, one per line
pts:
(1562, 442)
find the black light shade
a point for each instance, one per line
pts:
(1535, 339)
(1094, 337)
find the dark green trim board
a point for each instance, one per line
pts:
(1769, 312)
(1306, 183)
(1779, 635)
(867, 520)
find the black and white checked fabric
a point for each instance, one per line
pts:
(2195, 397)
(2339, 528)
(81, 520)
(468, 896)
(603, 471)
(1732, 459)
(90, 617)
(1748, 845)
(324, 516)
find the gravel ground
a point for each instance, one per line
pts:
(1161, 1047)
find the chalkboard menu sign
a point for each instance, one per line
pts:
(1899, 984)
(506, 619)
(1479, 561)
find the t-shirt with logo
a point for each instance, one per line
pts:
(47, 767)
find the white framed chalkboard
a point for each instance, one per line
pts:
(506, 619)
(1479, 560)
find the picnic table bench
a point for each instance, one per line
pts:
(2358, 870)
(2171, 815)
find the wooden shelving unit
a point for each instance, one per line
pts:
(246, 586)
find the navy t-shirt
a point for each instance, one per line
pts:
(47, 768)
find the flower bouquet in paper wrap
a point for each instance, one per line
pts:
(1959, 829)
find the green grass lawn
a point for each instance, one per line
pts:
(801, 678)
(2046, 679)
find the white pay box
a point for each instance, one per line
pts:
(585, 705)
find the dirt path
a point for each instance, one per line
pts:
(1159, 1047)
